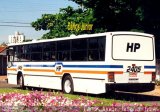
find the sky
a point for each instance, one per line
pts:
(16, 15)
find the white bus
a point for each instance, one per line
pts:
(90, 63)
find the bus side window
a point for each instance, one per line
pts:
(53, 56)
(66, 56)
(46, 56)
(90, 56)
(93, 55)
(10, 53)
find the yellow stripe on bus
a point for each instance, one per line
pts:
(12, 69)
(39, 70)
(68, 71)
(73, 71)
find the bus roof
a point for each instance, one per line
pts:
(80, 36)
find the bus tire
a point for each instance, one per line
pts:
(67, 85)
(20, 81)
(110, 90)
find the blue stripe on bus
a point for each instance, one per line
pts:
(39, 65)
(78, 66)
(149, 67)
(93, 66)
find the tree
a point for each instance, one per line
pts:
(3, 44)
(113, 15)
(105, 15)
(151, 13)
(58, 24)
(151, 21)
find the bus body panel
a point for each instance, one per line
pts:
(125, 55)
(40, 77)
(135, 53)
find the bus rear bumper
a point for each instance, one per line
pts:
(131, 87)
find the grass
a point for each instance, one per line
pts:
(9, 90)
(104, 101)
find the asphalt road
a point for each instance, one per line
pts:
(4, 84)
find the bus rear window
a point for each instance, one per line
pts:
(132, 47)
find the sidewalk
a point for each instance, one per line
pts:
(3, 77)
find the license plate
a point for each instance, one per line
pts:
(133, 80)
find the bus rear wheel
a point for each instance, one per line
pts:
(67, 85)
(20, 81)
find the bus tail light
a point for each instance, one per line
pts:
(153, 76)
(110, 76)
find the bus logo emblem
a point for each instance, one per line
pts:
(58, 68)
